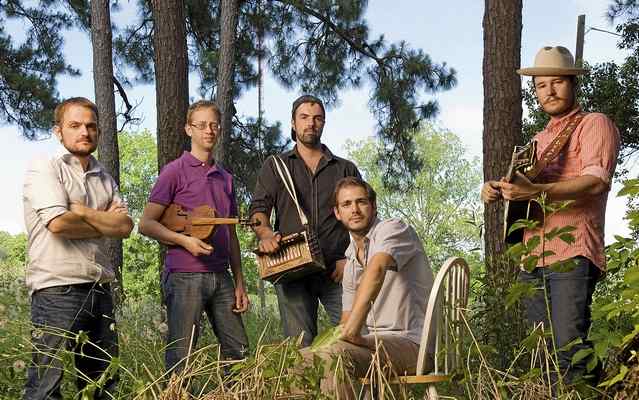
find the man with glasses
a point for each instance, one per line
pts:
(196, 276)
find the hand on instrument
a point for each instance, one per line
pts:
(338, 272)
(520, 189)
(270, 244)
(490, 191)
(242, 301)
(196, 246)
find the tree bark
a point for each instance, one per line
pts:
(229, 11)
(171, 78)
(108, 151)
(502, 107)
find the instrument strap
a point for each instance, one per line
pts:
(554, 148)
(285, 176)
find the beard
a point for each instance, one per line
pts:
(310, 138)
(83, 150)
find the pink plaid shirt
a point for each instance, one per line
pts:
(591, 150)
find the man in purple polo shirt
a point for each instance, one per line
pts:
(196, 276)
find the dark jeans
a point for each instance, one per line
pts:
(299, 301)
(57, 314)
(187, 294)
(569, 299)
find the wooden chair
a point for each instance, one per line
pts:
(442, 328)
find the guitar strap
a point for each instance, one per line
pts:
(554, 148)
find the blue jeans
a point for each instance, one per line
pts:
(569, 299)
(60, 312)
(187, 294)
(298, 302)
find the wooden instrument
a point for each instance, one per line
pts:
(299, 255)
(524, 160)
(199, 222)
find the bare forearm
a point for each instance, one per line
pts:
(111, 224)
(157, 231)
(366, 294)
(71, 226)
(235, 258)
(574, 189)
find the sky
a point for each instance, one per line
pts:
(448, 31)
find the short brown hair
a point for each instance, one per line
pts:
(58, 114)
(353, 181)
(200, 104)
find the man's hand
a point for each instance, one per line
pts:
(270, 244)
(490, 191)
(242, 301)
(196, 246)
(338, 272)
(521, 188)
(118, 207)
(356, 338)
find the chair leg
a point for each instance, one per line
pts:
(431, 393)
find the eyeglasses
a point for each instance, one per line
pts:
(203, 125)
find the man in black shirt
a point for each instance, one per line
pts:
(314, 170)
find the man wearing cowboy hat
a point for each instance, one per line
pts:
(581, 172)
(314, 171)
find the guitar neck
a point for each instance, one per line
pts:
(215, 221)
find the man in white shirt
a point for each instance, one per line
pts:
(70, 205)
(386, 284)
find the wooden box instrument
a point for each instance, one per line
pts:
(299, 255)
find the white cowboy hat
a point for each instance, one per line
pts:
(551, 61)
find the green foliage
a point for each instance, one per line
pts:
(138, 168)
(13, 249)
(30, 68)
(442, 204)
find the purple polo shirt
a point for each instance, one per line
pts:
(190, 183)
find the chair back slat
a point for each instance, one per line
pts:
(442, 323)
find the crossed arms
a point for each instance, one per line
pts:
(82, 222)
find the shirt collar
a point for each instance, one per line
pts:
(193, 161)
(69, 159)
(351, 251)
(555, 122)
(293, 153)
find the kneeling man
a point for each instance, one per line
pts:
(387, 280)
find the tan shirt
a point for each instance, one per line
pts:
(591, 150)
(50, 185)
(400, 306)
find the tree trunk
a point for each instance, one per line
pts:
(171, 78)
(108, 151)
(229, 11)
(502, 107)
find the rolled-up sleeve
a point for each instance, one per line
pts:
(263, 197)
(599, 147)
(396, 239)
(43, 191)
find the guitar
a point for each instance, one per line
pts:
(523, 160)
